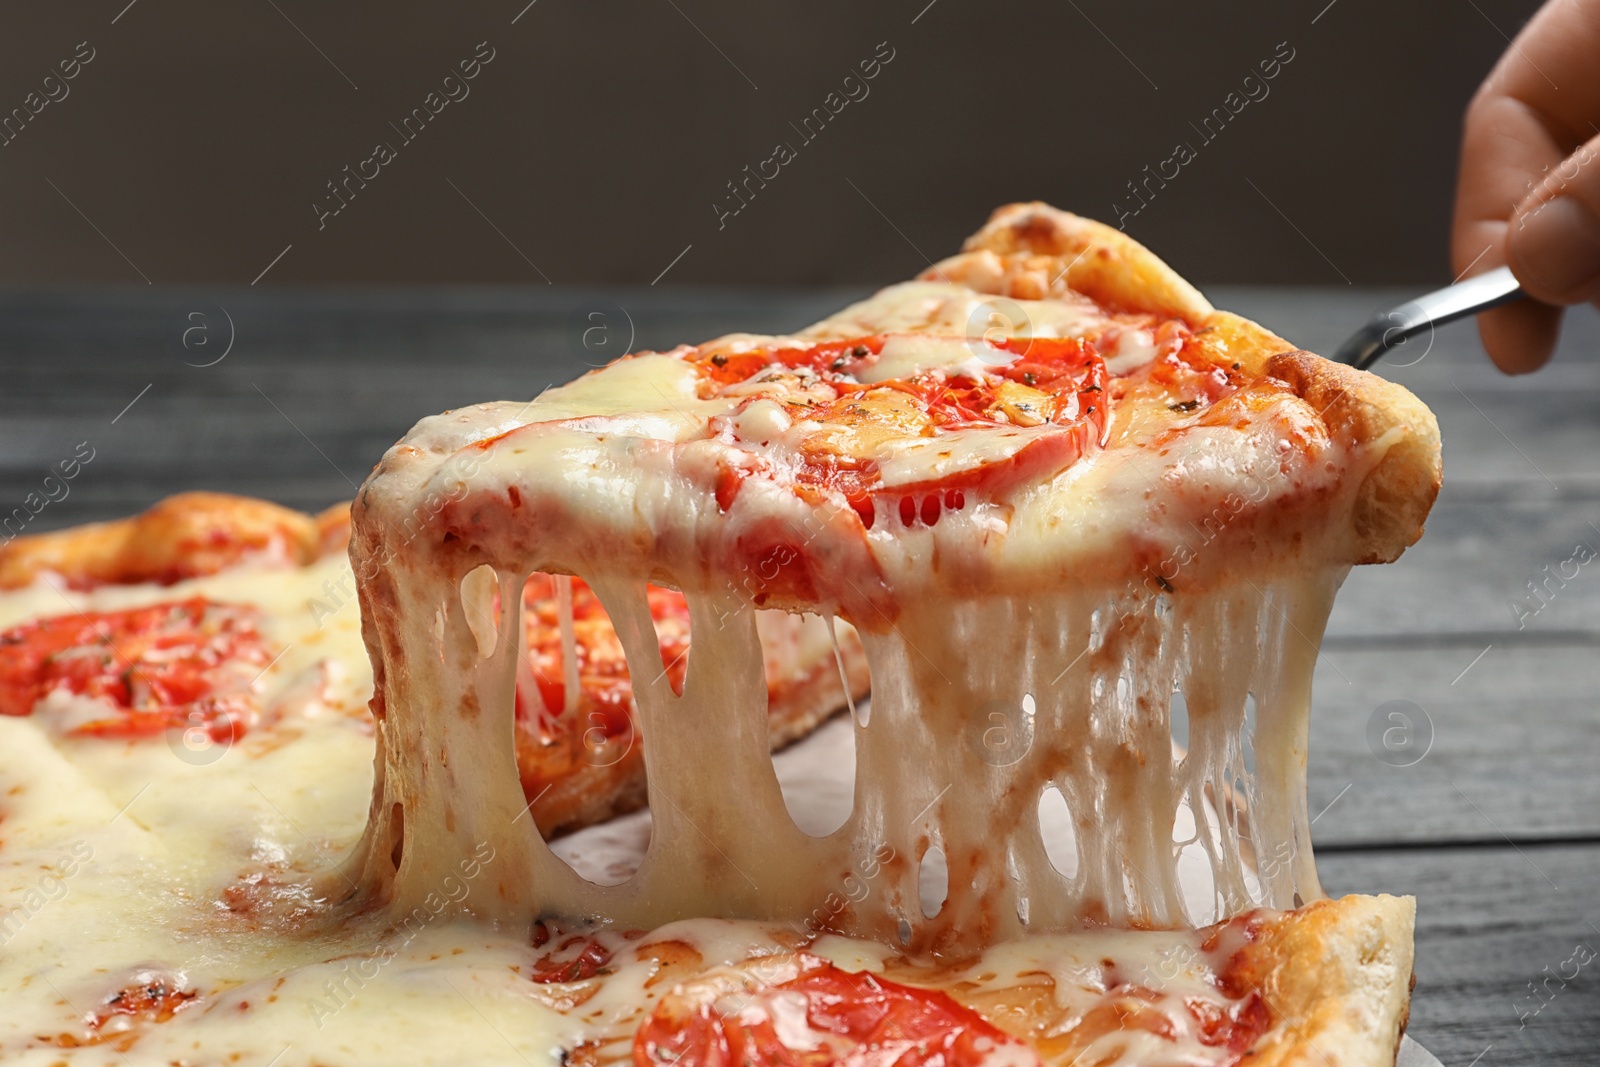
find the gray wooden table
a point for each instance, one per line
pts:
(1485, 804)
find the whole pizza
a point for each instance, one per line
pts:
(370, 787)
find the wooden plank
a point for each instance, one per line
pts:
(1489, 922)
(1470, 573)
(1455, 743)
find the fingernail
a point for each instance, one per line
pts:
(1557, 246)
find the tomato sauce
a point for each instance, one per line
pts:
(174, 665)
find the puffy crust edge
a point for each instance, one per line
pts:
(1394, 428)
(1390, 432)
(1035, 251)
(188, 535)
(1337, 976)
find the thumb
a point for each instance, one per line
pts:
(1553, 240)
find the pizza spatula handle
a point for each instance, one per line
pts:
(1390, 329)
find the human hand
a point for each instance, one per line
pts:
(1528, 194)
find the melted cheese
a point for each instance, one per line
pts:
(334, 905)
(941, 308)
(172, 856)
(125, 861)
(924, 777)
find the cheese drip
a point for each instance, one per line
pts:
(932, 773)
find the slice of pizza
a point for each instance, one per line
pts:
(201, 668)
(1047, 483)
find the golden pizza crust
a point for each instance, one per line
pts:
(1034, 252)
(189, 535)
(1037, 252)
(1369, 412)
(1336, 977)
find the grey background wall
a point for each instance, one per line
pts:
(597, 141)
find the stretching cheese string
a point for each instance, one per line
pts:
(569, 645)
(857, 716)
(932, 772)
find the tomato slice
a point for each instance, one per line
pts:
(828, 360)
(1052, 389)
(177, 665)
(824, 1016)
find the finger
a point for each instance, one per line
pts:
(1535, 108)
(1549, 69)
(1532, 112)
(1553, 243)
(1505, 152)
(1520, 337)
(1504, 149)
